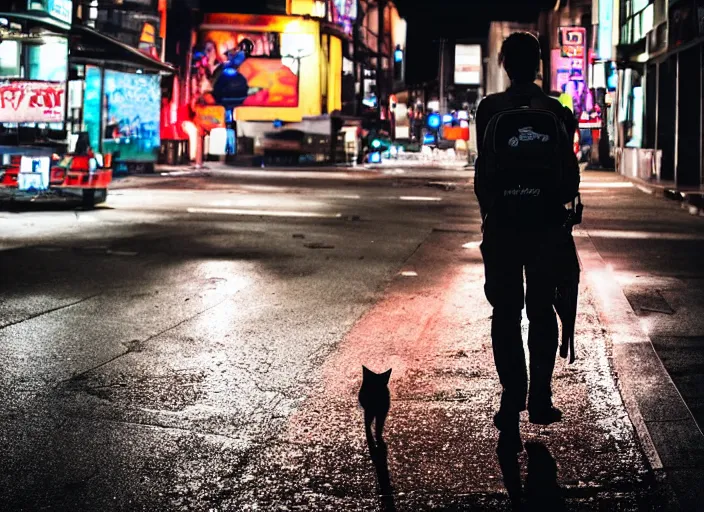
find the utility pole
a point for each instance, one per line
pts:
(442, 77)
(381, 7)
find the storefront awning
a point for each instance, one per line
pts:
(91, 47)
(38, 20)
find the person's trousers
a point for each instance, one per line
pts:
(506, 256)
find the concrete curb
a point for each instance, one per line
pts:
(669, 435)
(693, 202)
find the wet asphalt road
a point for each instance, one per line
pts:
(195, 344)
(152, 347)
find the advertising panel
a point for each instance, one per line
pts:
(61, 10)
(32, 101)
(34, 173)
(561, 70)
(468, 64)
(92, 95)
(606, 26)
(343, 13)
(573, 45)
(234, 69)
(133, 105)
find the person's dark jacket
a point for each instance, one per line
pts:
(533, 95)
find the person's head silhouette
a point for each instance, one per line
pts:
(520, 57)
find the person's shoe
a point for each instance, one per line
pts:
(544, 415)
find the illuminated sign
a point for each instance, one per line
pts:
(210, 117)
(34, 173)
(468, 64)
(236, 69)
(573, 45)
(61, 10)
(343, 13)
(32, 102)
(605, 35)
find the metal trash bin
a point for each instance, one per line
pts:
(174, 152)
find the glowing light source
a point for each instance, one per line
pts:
(434, 121)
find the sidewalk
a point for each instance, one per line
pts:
(433, 330)
(650, 254)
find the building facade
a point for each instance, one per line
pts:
(303, 64)
(74, 76)
(660, 111)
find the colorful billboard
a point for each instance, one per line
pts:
(468, 64)
(343, 13)
(234, 69)
(573, 46)
(606, 27)
(32, 101)
(133, 108)
(61, 10)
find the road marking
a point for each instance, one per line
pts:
(265, 213)
(419, 198)
(607, 184)
(336, 196)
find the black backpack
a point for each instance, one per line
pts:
(522, 163)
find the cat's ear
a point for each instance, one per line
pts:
(387, 375)
(366, 371)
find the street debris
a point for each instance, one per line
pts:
(318, 245)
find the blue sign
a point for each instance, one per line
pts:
(434, 121)
(606, 26)
(61, 10)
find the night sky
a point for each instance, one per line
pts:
(429, 20)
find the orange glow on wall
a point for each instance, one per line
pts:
(250, 22)
(276, 84)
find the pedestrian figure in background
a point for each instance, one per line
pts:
(525, 173)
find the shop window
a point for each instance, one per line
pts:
(639, 5)
(48, 61)
(9, 59)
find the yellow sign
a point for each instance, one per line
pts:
(148, 34)
(209, 117)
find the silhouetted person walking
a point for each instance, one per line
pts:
(525, 174)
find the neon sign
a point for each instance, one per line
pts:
(573, 45)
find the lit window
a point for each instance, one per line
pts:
(648, 19)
